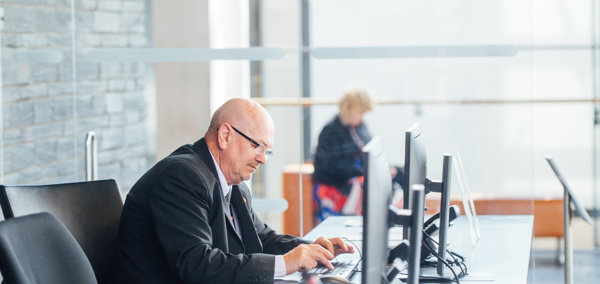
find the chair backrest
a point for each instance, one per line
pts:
(39, 249)
(90, 210)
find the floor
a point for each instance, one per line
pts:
(586, 267)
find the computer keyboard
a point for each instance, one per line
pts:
(341, 268)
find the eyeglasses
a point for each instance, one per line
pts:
(260, 148)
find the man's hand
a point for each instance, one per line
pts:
(334, 245)
(307, 257)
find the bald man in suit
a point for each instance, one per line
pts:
(189, 219)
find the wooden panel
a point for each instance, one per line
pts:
(548, 213)
(291, 183)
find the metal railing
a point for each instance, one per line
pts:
(91, 156)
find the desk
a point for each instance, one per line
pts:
(501, 256)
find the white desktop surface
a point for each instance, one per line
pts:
(501, 255)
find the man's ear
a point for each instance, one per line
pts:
(223, 136)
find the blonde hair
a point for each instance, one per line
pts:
(355, 100)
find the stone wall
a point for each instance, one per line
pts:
(49, 103)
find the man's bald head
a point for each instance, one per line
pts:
(242, 114)
(237, 157)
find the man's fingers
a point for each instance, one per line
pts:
(323, 251)
(320, 257)
(340, 244)
(326, 244)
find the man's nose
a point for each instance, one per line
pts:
(261, 158)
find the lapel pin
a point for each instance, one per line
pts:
(245, 200)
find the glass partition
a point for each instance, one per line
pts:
(498, 84)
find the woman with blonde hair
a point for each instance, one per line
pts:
(338, 171)
(337, 161)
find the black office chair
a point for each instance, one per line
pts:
(90, 210)
(39, 249)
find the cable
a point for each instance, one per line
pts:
(432, 251)
(359, 253)
(451, 253)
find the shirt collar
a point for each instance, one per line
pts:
(224, 186)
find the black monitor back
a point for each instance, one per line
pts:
(376, 200)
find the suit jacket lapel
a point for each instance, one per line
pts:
(252, 242)
(202, 151)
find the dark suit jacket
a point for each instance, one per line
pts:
(174, 228)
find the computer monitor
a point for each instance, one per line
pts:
(376, 199)
(415, 170)
(415, 161)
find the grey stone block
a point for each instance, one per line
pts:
(11, 40)
(109, 5)
(134, 117)
(110, 171)
(117, 85)
(116, 120)
(14, 73)
(84, 21)
(138, 69)
(16, 115)
(134, 101)
(86, 4)
(42, 111)
(34, 40)
(37, 132)
(136, 133)
(114, 40)
(24, 2)
(61, 179)
(92, 123)
(114, 103)
(133, 86)
(84, 70)
(86, 87)
(89, 40)
(45, 151)
(12, 179)
(65, 148)
(21, 156)
(20, 19)
(132, 169)
(133, 6)
(138, 41)
(67, 167)
(34, 91)
(88, 105)
(62, 108)
(106, 21)
(68, 129)
(132, 22)
(60, 88)
(52, 20)
(11, 137)
(60, 40)
(115, 155)
(59, 3)
(11, 94)
(111, 69)
(99, 104)
(38, 174)
(80, 144)
(111, 138)
(140, 84)
(43, 72)
(109, 156)
(53, 109)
